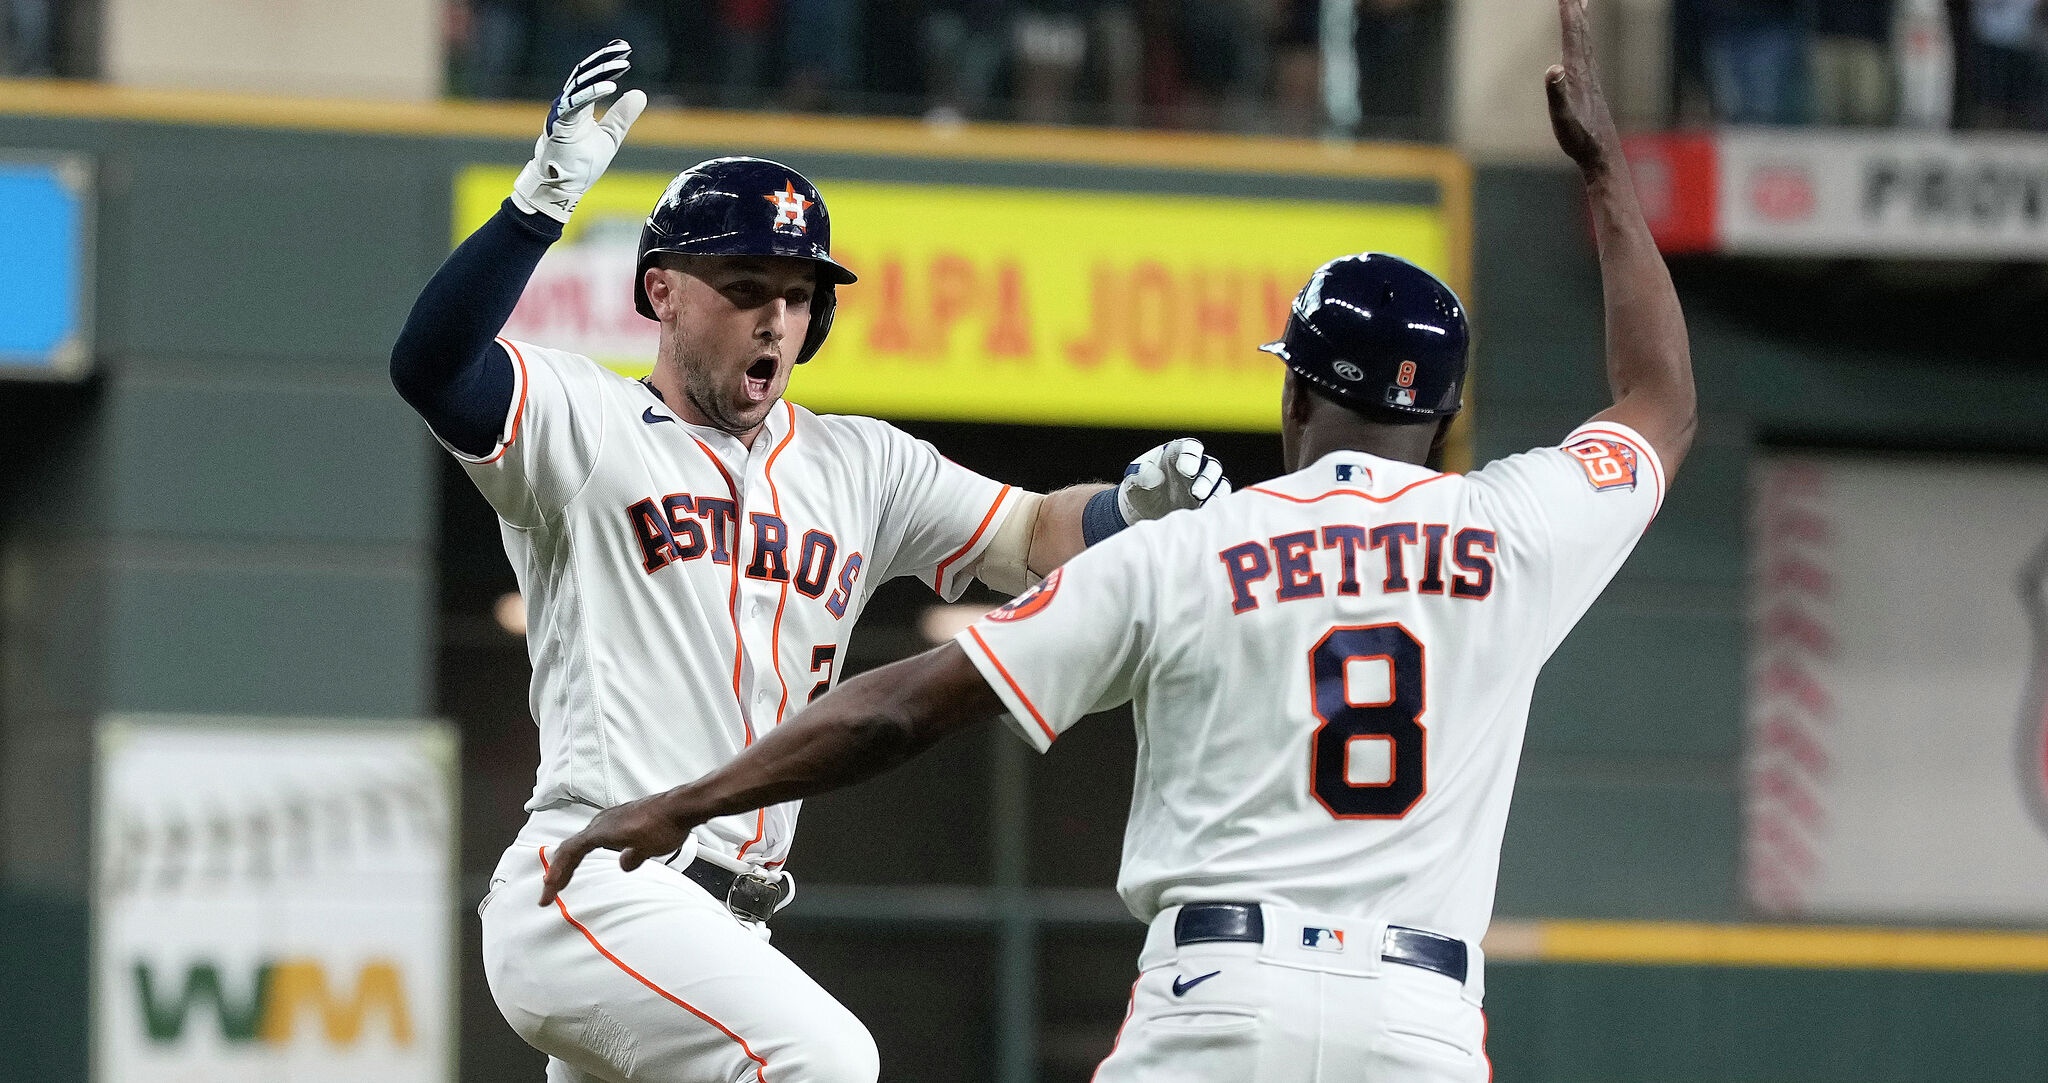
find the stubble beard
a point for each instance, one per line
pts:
(701, 388)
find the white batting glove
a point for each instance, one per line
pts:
(574, 148)
(1170, 477)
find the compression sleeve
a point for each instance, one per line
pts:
(445, 364)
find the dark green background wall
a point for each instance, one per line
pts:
(238, 516)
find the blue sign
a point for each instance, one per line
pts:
(45, 247)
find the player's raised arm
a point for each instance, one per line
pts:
(1649, 363)
(860, 729)
(444, 363)
(1046, 531)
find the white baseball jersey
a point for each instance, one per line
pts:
(1331, 671)
(686, 593)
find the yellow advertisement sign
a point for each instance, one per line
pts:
(1004, 304)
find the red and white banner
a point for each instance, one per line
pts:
(1820, 193)
(1897, 762)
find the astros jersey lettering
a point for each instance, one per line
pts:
(686, 593)
(1332, 671)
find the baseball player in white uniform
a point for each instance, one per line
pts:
(1330, 674)
(694, 551)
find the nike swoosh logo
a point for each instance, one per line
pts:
(651, 417)
(1180, 987)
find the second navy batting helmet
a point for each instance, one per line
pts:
(745, 207)
(1378, 333)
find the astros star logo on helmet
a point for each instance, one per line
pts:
(789, 207)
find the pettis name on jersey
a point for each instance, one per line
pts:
(1392, 557)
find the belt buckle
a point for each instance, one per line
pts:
(752, 897)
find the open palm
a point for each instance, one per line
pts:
(1578, 107)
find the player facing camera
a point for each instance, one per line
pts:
(735, 263)
(695, 551)
(732, 328)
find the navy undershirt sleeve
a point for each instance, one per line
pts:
(445, 363)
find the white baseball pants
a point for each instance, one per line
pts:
(1280, 1012)
(643, 977)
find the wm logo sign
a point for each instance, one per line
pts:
(270, 1005)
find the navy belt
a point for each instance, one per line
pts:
(1209, 923)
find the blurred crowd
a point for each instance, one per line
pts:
(28, 37)
(1236, 65)
(1978, 64)
(1230, 65)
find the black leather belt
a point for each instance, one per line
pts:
(1208, 923)
(746, 895)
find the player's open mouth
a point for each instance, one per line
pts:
(759, 375)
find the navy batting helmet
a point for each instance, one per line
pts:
(1376, 332)
(745, 207)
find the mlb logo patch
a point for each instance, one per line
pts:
(1400, 396)
(1348, 472)
(1331, 940)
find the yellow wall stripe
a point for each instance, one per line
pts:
(1807, 946)
(675, 127)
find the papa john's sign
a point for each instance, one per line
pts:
(1005, 304)
(273, 902)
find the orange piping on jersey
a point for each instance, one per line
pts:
(775, 638)
(518, 411)
(775, 501)
(1649, 455)
(1483, 1027)
(733, 602)
(939, 577)
(760, 829)
(1130, 1010)
(760, 1065)
(1026, 700)
(1395, 495)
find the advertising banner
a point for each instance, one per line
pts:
(273, 902)
(1824, 194)
(1051, 306)
(1898, 735)
(45, 266)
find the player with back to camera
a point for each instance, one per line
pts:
(694, 551)
(1331, 674)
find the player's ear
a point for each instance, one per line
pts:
(661, 291)
(1294, 400)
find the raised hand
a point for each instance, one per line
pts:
(574, 147)
(1578, 107)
